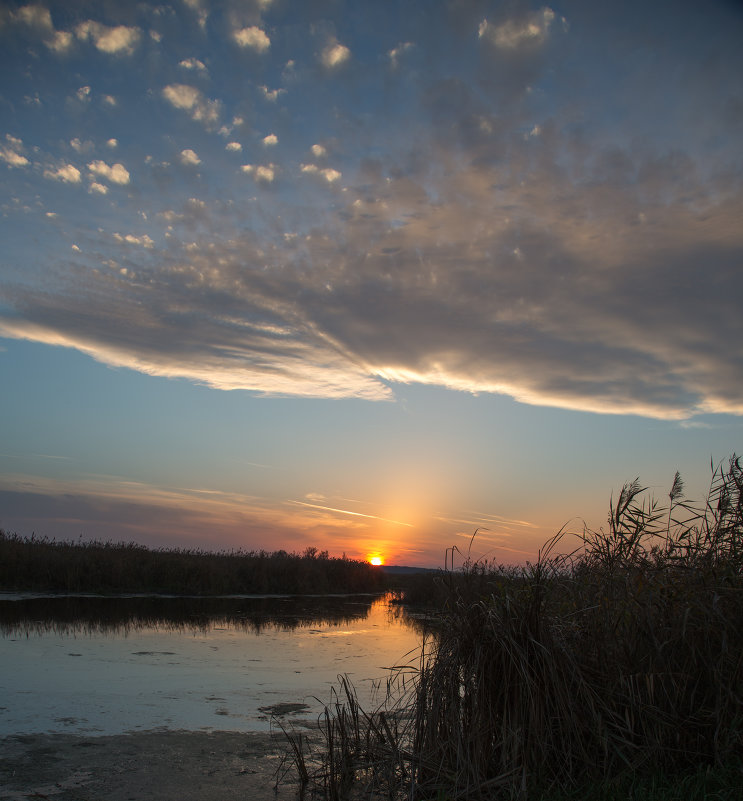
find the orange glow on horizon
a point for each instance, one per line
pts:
(376, 560)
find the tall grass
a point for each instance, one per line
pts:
(616, 663)
(41, 564)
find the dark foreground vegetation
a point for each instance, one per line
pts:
(43, 565)
(614, 671)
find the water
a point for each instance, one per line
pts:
(99, 666)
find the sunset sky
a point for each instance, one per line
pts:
(365, 275)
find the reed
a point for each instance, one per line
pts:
(41, 564)
(616, 665)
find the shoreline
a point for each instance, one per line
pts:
(156, 765)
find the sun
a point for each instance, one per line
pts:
(375, 560)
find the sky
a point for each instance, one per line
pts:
(365, 276)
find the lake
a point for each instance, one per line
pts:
(101, 665)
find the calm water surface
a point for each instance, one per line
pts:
(112, 665)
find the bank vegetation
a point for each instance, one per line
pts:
(39, 564)
(609, 670)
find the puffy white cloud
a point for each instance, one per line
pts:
(329, 174)
(35, 16)
(11, 154)
(233, 147)
(81, 147)
(515, 33)
(265, 173)
(119, 39)
(270, 140)
(100, 189)
(334, 54)
(115, 173)
(252, 37)
(192, 64)
(190, 99)
(67, 173)
(143, 241)
(60, 42)
(272, 95)
(182, 96)
(189, 157)
(318, 151)
(112, 143)
(13, 158)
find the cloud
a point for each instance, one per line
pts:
(502, 227)
(67, 173)
(270, 140)
(35, 16)
(513, 34)
(83, 94)
(329, 174)
(190, 99)
(118, 509)
(265, 173)
(100, 189)
(334, 54)
(252, 37)
(81, 147)
(189, 157)
(120, 39)
(60, 42)
(396, 52)
(143, 241)
(192, 64)
(272, 95)
(112, 143)
(115, 173)
(548, 290)
(11, 154)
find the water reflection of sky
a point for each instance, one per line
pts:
(208, 671)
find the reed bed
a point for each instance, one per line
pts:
(617, 665)
(40, 564)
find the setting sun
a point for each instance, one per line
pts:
(375, 560)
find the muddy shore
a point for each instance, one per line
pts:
(146, 766)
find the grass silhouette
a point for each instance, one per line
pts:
(612, 671)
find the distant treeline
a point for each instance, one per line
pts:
(44, 565)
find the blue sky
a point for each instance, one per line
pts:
(366, 276)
